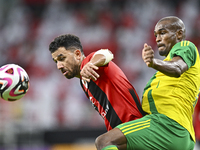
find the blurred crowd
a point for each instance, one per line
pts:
(28, 26)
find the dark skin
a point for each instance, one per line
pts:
(166, 37)
(112, 137)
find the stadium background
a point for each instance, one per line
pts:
(55, 111)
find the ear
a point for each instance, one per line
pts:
(77, 54)
(180, 35)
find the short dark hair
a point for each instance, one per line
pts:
(69, 41)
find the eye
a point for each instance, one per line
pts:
(162, 32)
(61, 58)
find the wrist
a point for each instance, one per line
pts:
(108, 56)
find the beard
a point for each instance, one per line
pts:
(69, 76)
(75, 72)
(163, 52)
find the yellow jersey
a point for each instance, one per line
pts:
(176, 97)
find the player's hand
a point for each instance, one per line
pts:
(148, 55)
(88, 72)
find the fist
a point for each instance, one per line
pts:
(88, 72)
(148, 55)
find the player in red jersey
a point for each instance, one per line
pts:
(112, 95)
(102, 80)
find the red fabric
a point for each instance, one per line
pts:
(197, 121)
(114, 84)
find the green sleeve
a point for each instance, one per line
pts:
(186, 52)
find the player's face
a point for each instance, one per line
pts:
(66, 62)
(165, 37)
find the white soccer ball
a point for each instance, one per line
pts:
(14, 82)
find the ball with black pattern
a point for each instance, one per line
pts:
(14, 82)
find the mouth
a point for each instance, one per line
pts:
(64, 72)
(160, 46)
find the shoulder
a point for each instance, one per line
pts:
(185, 49)
(184, 44)
(87, 59)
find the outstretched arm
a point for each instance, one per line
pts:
(100, 58)
(173, 68)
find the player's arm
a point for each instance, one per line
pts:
(100, 58)
(173, 68)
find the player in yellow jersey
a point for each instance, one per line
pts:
(169, 97)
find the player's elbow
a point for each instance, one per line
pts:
(179, 68)
(177, 72)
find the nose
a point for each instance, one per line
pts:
(59, 65)
(158, 38)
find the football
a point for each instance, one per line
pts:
(14, 82)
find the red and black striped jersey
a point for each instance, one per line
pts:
(112, 95)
